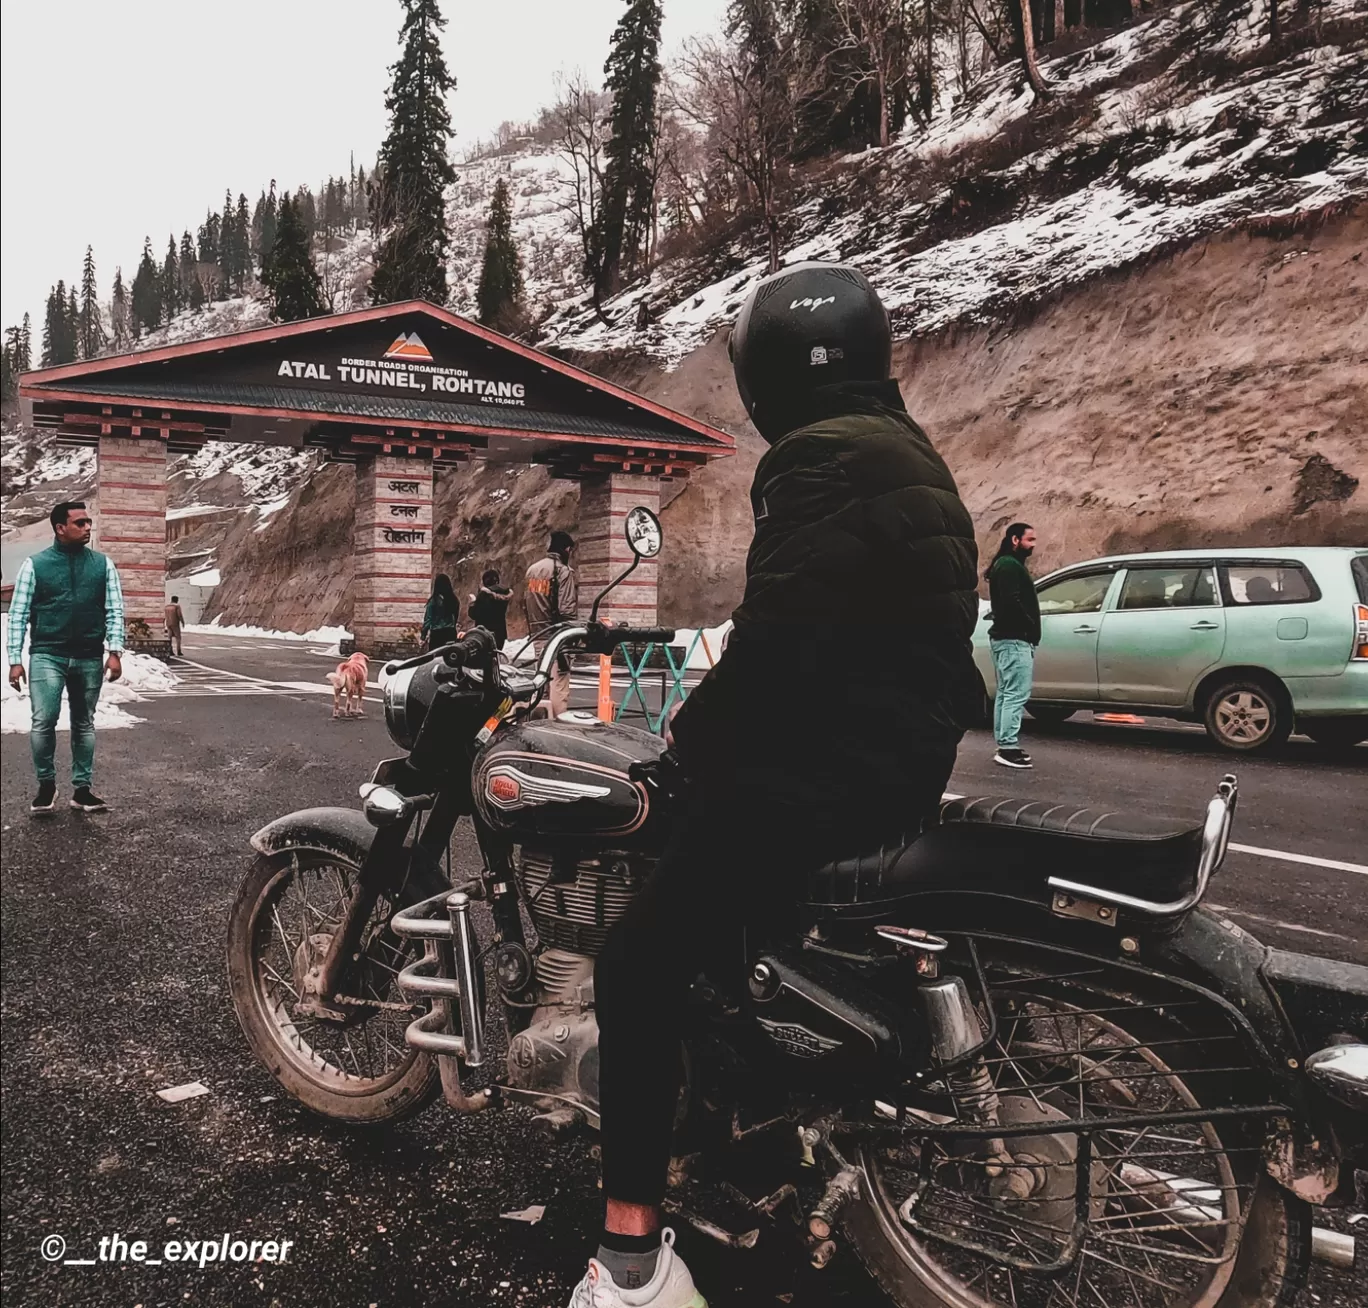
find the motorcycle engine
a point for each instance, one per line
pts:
(573, 902)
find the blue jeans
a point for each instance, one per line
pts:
(1014, 663)
(82, 678)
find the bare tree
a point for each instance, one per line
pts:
(581, 133)
(1028, 53)
(747, 111)
(877, 31)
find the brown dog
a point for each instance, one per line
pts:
(349, 685)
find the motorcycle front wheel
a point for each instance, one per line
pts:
(1179, 1216)
(360, 1070)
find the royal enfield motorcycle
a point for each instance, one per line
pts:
(1009, 1061)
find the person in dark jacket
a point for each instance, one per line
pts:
(1012, 638)
(489, 609)
(443, 613)
(800, 745)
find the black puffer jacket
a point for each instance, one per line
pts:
(850, 670)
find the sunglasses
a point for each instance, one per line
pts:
(80, 522)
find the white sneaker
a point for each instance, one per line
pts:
(670, 1287)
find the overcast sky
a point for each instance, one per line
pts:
(125, 118)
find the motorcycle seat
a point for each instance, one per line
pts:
(994, 845)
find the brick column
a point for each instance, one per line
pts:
(130, 527)
(392, 553)
(602, 552)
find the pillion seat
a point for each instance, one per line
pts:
(994, 845)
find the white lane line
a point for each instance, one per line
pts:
(1276, 922)
(1308, 859)
(1258, 851)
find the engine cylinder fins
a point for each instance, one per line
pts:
(560, 972)
(573, 904)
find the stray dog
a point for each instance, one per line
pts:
(349, 685)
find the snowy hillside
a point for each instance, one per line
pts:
(1169, 130)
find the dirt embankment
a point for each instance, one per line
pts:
(1216, 397)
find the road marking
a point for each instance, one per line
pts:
(1308, 859)
(1275, 922)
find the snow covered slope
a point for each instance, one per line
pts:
(1170, 130)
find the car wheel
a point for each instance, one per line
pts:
(1336, 733)
(1051, 713)
(1246, 714)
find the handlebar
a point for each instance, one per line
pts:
(476, 646)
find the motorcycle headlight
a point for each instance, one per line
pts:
(408, 696)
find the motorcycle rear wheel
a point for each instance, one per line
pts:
(361, 1072)
(1252, 1250)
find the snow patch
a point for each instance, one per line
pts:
(319, 634)
(209, 577)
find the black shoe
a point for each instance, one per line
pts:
(1013, 758)
(88, 801)
(45, 800)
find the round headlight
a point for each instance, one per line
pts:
(408, 696)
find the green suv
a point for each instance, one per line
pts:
(1251, 642)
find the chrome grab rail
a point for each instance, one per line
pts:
(1220, 816)
(551, 650)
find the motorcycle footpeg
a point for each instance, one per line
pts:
(558, 1122)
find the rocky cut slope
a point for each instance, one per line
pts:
(1132, 312)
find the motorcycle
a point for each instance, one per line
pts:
(1011, 1061)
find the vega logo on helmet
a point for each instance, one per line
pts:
(812, 305)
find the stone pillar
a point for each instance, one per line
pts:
(130, 527)
(602, 552)
(391, 553)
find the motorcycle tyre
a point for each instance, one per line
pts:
(420, 1085)
(1270, 1268)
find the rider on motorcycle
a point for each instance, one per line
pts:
(858, 527)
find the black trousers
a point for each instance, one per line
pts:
(726, 867)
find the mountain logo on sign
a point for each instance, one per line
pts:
(408, 346)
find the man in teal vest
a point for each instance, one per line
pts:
(72, 598)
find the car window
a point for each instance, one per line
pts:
(1359, 564)
(1173, 587)
(1269, 583)
(1078, 594)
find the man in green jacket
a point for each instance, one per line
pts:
(1012, 638)
(71, 597)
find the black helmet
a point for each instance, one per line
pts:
(806, 326)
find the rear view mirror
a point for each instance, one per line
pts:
(644, 533)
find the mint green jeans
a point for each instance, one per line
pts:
(1014, 663)
(82, 679)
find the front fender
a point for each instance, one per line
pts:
(343, 832)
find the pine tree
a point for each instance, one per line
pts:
(410, 207)
(501, 286)
(192, 293)
(71, 327)
(118, 314)
(290, 276)
(9, 372)
(146, 299)
(24, 359)
(632, 77)
(242, 238)
(91, 330)
(209, 239)
(269, 218)
(227, 251)
(52, 328)
(306, 210)
(170, 280)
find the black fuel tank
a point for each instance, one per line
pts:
(546, 781)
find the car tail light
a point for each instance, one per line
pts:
(1361, 631)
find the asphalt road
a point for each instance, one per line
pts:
(113, 988)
